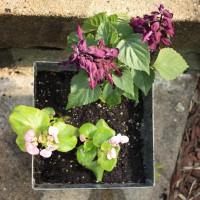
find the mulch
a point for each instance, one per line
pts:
(185, 183)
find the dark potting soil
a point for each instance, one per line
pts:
(52, 91)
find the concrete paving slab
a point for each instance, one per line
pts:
(15, 171)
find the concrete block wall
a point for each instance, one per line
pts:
(46, 23)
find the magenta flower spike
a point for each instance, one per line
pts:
(97, 61)
(155, 28)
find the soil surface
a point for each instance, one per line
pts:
(52, 91)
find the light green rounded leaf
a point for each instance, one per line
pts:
(49, 111)
(134, 53)
(106, 164)
(170, 64)
(66, 136)
(24, 118)
(106, 146)
(85, 157)
(87, 130)
(88, 145)
(21, 143)
(102, 124)
(101, 135)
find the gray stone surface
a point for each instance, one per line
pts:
(37, 23)
(15, 166)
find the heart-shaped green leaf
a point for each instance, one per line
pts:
(111, 96)
(93, 23)
(107, 31)
(81, 93)
(134, 53)
(170, 64)
(124, 82)
(143, 80)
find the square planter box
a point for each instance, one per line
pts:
(135, 166)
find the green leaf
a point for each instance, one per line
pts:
(124, 82)
(113, 18)
(93, 23)
(101, 135)
(170, 64)
(88, 145)
(102, 124)
(66, 136)
(134, 95)
(124, 30)
(87, 130)
(143, 80)
(24, 118)
(107, 31)
(21, 143)
(111, 96)
(106, 146)
(81, 93)
(96, 169)
(134, 53)
(123, 17)
(72, 39)
(106, 164)
(49, 111)
(85, 157)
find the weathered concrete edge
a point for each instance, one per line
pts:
(20, 31)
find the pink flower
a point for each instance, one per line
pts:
(115, 140)
(53, 130)
(45, 153)
(124, 139)
(112, 154)
(82, 138)
(32, 149)
(29, 135)
(52, 147)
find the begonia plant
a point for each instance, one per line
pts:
(117, 56)
(100, 147)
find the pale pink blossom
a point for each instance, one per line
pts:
(45, 153)
(29, 135)
(52, 147)
(112, 154)
(124, 139)
(53, 130)
(82, 138)
(32, 149)
(115, 140)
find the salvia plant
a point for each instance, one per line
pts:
(117, 56)
(114, 56)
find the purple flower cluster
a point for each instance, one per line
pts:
(97, 61)
(155, 28)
